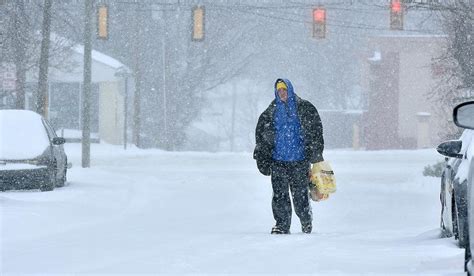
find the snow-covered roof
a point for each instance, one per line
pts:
(96, 55)
(104, 68)
(100, 57)
(377, 56)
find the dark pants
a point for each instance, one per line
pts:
(294, 176)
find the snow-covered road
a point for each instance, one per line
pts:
(147, 211)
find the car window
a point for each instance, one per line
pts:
(49, 129)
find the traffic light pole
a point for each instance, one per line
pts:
(165, 112)
(86, 93)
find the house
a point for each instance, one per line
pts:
(65, 96)
(398, 75)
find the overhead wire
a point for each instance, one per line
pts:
(254, 10)
(343, 25)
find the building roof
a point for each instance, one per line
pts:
(100, 57)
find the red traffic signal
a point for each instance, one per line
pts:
(319, 22)
(319, 15)
(396, 15)
(396, 6)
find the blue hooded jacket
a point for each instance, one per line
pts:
(289, 141)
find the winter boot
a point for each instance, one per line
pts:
(278, 230)
(307, 228)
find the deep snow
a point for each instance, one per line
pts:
(148, 211)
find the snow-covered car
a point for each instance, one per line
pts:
(31, 154)
(463, 116)
(453, 193)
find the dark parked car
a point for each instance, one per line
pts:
(463, 116)
(31, 154)
(453, 194)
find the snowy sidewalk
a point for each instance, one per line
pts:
(147, 211)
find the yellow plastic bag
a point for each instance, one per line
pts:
(323, 181)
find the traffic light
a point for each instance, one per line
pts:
(396, 15)
(319, 22)
(198, 23)
(103, 22)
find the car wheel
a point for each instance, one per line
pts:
(62, 181)
(462, 230)
(49, 181)
(455, 220)
(467, 258)
(447, 230)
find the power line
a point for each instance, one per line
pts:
(255, 10)
(344, 25)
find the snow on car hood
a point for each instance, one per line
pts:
(22, 135)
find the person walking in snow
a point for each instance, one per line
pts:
(289, 137)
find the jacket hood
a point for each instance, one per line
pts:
(291, 93)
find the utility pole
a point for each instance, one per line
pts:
(86, 93)
(20, 44)
(234, 104)
(163, 53)
(42, 94)
(125, 107)
(138, 79)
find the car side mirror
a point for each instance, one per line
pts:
(58, 141)
(463, 115)
(451, 148)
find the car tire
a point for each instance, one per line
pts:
(462, 230)
(455, 220)
(62, 181)
(467, 258)
(447, 230)
(49, 181)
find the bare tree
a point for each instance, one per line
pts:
(456, 65)
(19, 40)
(23, 42)
(457, 18)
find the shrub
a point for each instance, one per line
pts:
(434, 170)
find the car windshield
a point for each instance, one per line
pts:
(22, 135)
